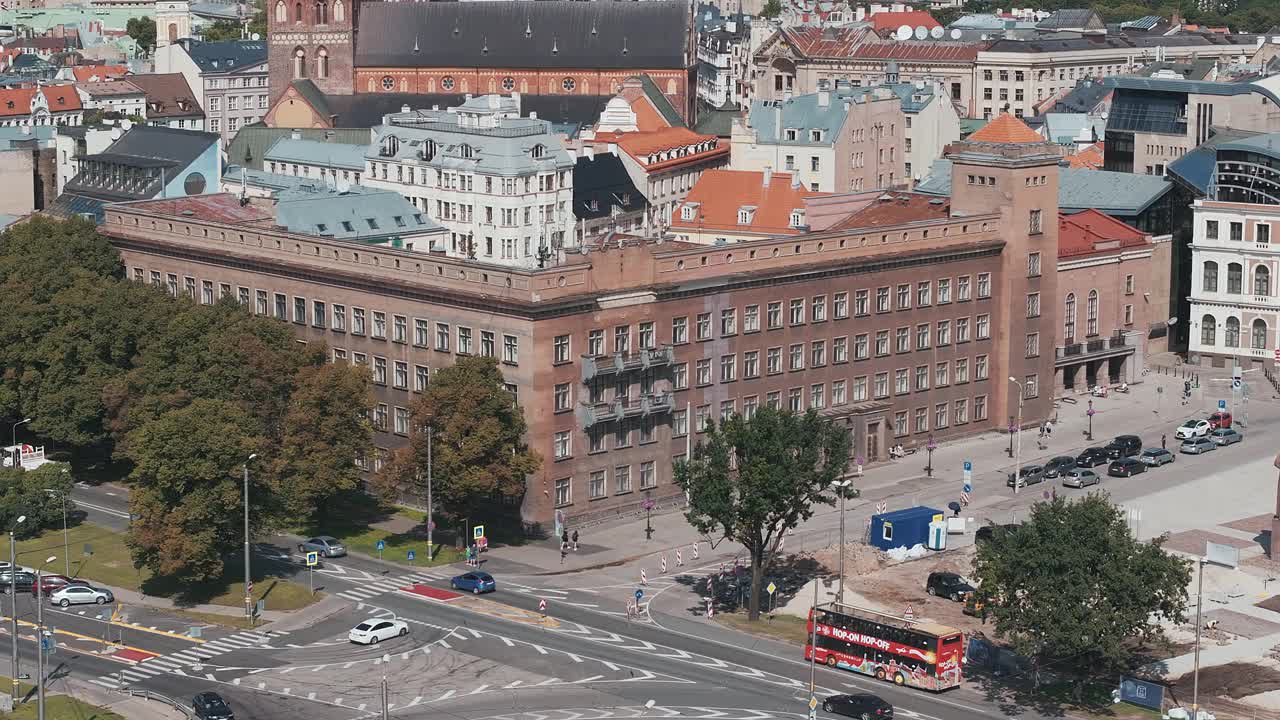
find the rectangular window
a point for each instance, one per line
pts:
(773, 360)
(702, 326)
(751, 318)
(679, 330)
(1036, 223)
(944, 332)
(442, 337)
(944, 291)
(904, 296)
(562, 445)
(357, 321)
(840, 305)
(300, 310)
(1032, 386)
(680, 376)
(563, 397)
(622, 479)
(942, 374)
(728, 322)
(962, 330)
(648, 475)
(564, 491)
(702, 372)
(487, 341)
(980, 407)
(980, 367)
(795, 400)
(882, 385)
(861, 349)
(860, 302)
(622, 339)
(751, 364)
(399, 329)
(796, 357)
(596, 486)
(750, 404)
(817, 396)
(1237, 231)
(1128, 314)
(379, 370)
(923, 336)
(421, 378)
(797, 311)
(679, 423)
(922, 377)
(984, 285)
(839, 392)
(902, 339)
(900, 422)
(401, 378)
(282, 306)
(339, 318)
(924, 293)
(882, 343)
(940, 419)
(817, 353)
(1033, 305)
(206, 292)
(921, 420)
(728, 368)
(882, 299)
(379, 325)
(1211, 229)
(380, 417)
(464, 340)
(1033, 345)
(401, 421)
(1033, 264)
(241, 291)
(962, 371)
(646, 336)
(860, 388)
(774, 315)
(818, 308)
(1262, 233)
(983, 329)
(962, 288)
(510, 349)
(727, 410)
(261, 304)
(840, 350)
(701, 416)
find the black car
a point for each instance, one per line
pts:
(1126, 467)
(988, 532)
(860, 705)
(948, 585)
(1059, 465)
(211, 706)
(1124, 446)
(1092, 457)
(22, 579)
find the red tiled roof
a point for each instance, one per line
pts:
(1089, 232)
(896, 208)
(843, 43)
(96, 73)
(643, 143)
(1089, 158)
(16, 102)
(1006, 129)
(720, 194)
(895, 20)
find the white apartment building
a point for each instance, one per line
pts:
(1235, 309)
(501, 184)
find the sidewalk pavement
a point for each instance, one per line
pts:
(136, 598)
(306, 617)
(127, 706)
(1143, 410)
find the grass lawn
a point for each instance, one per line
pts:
(110, 564)
(787, 628)
(365, 521)
(62, 706)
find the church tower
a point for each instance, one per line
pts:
(311, 40)
(173, 21)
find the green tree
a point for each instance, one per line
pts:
(478, 449)
(22, 492)
(219, 30)
(1073, 585)
(325, 428)
(143, 31)
(186, 492)
(772, 9)
(750, 481)
(258, 24)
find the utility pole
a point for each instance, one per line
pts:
(248, 578)
(386, 711)
(1195, 675)
(430, 509)
(1017, 463)
(13, 594)
(40, 641)
(840, 486)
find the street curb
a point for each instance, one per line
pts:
(298, 620)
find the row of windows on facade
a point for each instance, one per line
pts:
(505, 248)
(259, 80)
(234, 102)
(1235, 279)
(300, 63)
(1231, 335)
(320, 12)
(945, 415)
(465, 182)
(800, 311)
(372, 323)
(305, 171)
(1064, 73)
(598, 482)
(1261, 231)
(233, 124)
(1092, 312)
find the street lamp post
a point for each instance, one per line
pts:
(931, 446)
(648, 511)
(840, 486)
(1195, 676)
(13, 594)
(1017, 462)
(1011, 426)
(431, 522)
(13, 441)
(1089, 412)
(66, 544)
(40, 640)
(248, 579)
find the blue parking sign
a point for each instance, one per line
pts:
(412, 556)
(639, 594)
(382, 545)
(1222, 404)
(968, 466)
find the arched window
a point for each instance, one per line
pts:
(322, 13)
(299, 63)
(1259, 334)
(339, 11)
(1209, 280)
(1208, 331)
(1069, 315)
(1235, 278)
(322, 63)
(297, 12)
(1091, 314)
(282, 12)
(1261, 280)
(1233, 332)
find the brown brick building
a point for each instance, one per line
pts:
(904, 320)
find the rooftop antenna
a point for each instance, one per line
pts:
(415, 45)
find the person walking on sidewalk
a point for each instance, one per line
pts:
(1164, 442)
(575, 541)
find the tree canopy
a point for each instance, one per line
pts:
(1073, 584)
(478, 449)
(750, 481)
(143, 31)
(23, 492)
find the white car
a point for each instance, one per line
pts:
(80, 595)
(1193, 429)
(373, 630)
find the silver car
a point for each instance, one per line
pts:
(1225, 436)
(1198, 446)
(1155, 457)
(1080, 477)
(326, 545)
(80, 595)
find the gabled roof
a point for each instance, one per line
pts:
(154, 154)
(895, 208)
(1090, 158)
(720, 194)
(1071, 18)
(168, 95)
(514, 34)
(359, 213)
(1006, 129)
(110, 88)
(600, 183)
(858, 42)
(98, 73)
(227, 55)
(894, 20)
(641, 145)
(250, 144)
(1089, 232)
(770, 119)
(16, 102)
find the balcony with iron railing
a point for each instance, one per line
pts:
(623, 407)
(1093, 349)
(617, 363)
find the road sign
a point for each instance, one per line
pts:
(695, 551)
(313, 558)
(909, 614)
(249, 588)
(663, 560)
(1222, 404)
(1145, 694)
(382, 545)
(968, 487)
(964, 498)
(260, 607)
(882, 508)
(477, 532)
(968, 473)
(46, 643)
(542, 605)
(813, 703)
(772, 588)
(639, 594)
(413, 556)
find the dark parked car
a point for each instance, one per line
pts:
(50, 583)
(211, 706)
(1226, 436)
(1156, 457)
(1126, 467)
(1028, 475)
(1091, 457)
(948, 585)
(22, 579)
(1059, 465)
(1124, 446)
(987, 532)
(859, 705)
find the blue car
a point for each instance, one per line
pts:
(476, 582)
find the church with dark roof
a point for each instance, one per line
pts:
(546, 48)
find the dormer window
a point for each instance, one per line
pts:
(797, 218)
(373, 224)
(466, 151)
(746, 214)
(399, 220)
(346, 225)
(538, 151)
(686, 212)
(390, 146)
(791, 135)
(815, 136)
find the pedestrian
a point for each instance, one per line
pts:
(575, 541)
(1163, 442)
(1048, 428)
(564, 553)
(564, 537)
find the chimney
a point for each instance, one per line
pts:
(824, 97)
(404, 108)
(533, 115)
(613, 148)
(795, 180)
(295, 135)
(766, 176)
(777, 120)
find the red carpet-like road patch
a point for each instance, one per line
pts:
(134, 655)
(433, 593)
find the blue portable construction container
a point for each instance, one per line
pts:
(902, 528)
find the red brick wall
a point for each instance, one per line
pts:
(335, 37)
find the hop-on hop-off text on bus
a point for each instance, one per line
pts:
(923, 655)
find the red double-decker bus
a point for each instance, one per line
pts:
(923, 655)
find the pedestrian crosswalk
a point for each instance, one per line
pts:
(179, 662)
(381, 587)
